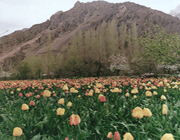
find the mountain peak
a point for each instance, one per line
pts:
(83, 16)
(175, 12)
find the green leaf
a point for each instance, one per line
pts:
(97, 130)
(36, 137)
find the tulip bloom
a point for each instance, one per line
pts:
(69, 104)
(97, 90)
(61, 101)
(109, 135)
(32, 103)
(66, 138)
(163, 97)
(47, 93)
(20, 95)
(127, 94)
(137, 113)
(17, 131)
(167, 136)
(148, 93)
(165, 109)
(65, 87)
(147, 112)
(128, 136)
(60, 111)
(134, 91)
(25, 107)
(74, 119)
(37, 96)
(135, 97)
(117, 136)
(102, 98)
(155, 93)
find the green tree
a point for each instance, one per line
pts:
(24, 70)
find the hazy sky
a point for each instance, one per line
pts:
(19, 14)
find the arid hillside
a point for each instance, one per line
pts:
(63, 25)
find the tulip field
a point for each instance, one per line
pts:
(106, 108)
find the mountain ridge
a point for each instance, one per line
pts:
(63, 25)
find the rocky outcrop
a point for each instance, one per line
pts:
(63, 25)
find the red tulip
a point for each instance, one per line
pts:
(102, 98)
(20, 94)
(117, 136)
(32, 103)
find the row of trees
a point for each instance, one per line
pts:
(108, 49)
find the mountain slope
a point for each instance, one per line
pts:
(63, 25)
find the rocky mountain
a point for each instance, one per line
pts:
(63, 25)
(175, 12)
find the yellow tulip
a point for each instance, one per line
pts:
(17, 131)
(47, 93)
(148, 93)
(135, 97)
(128, 136)
(155, 93)
(69, 104)
(18, 89)
(65, 87)
(147, 112)
(165, 109)
(167, 136)
(90, 93)
(165, 90)
(127, 94)
(61, 101)
(163, 97)
(137, 113)
(97, 90)
(153, 87)
(60, 111)
(134, 91)
(25, 107)
(98, 85)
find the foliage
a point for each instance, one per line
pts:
(24, 70)
(163, 48)
(98, 118)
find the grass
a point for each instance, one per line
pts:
(41, 122)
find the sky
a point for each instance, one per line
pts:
(19, 14)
